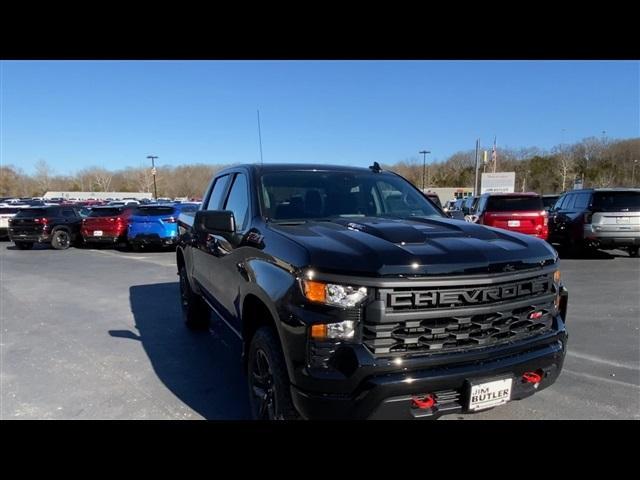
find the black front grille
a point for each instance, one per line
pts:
(390, 330)
(456, 332)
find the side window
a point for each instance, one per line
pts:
(582, 201)
(238, 201)
(68, 213)
(219, 188)
(568, 204)
(480, 205)
(560, 202)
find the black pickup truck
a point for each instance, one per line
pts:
(355, 297)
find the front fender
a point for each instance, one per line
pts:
(275, 286)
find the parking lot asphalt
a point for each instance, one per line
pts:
(97, 334)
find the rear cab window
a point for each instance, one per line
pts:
(514, 203)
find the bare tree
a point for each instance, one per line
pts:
(566, 164)
(102, 179)
(43, 175)
(143, 179)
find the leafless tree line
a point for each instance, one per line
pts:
(598, 162)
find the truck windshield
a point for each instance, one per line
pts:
(301, 195)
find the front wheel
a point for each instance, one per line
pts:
(195, 311)
(269, 386)
(633, 251)
(60, 239)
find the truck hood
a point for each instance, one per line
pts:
(414, 247)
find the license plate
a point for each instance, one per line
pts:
(490, 394)
(513, 223)
(97, 233)
(622, 220)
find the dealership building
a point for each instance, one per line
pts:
(97, 195)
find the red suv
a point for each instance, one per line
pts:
(518, 212)
(106, 225)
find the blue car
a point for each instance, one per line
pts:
(153, 225)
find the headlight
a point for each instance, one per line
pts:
(333, 294)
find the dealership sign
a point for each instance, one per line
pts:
(503, 182)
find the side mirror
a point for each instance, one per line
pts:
(214, 221)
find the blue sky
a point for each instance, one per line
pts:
(75, 114)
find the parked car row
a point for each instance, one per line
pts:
(124, 226)
(606, 218)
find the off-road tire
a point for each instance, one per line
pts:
(265, 345)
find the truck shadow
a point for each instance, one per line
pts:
(202, 369)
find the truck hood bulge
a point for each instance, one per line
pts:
(418, 246)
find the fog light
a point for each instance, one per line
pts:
(336, 331)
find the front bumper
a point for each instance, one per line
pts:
(389, 396)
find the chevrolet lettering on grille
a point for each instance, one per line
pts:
(469, 296)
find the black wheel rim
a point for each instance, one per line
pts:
(63, 239)
(262, 387)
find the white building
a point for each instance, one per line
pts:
(98, 195)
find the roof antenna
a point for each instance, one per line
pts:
(375, 167)
(260, 138)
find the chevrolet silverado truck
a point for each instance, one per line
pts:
(356, 298)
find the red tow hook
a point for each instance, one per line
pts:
(532, 377)
(423, 403)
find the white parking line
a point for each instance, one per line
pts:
(603, 361)
(600, 379)
(119, 256)
(153, 260)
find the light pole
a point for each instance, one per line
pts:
(633, 173)
(424, 164)
(153, 173)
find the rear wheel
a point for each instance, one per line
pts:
(60, 239)
(24, 245)
(195, 311)
(633, 251)
(269, 386)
